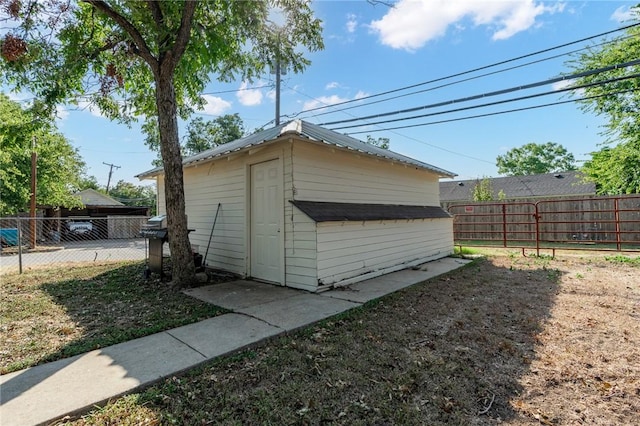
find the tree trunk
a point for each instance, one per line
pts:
(183, 273)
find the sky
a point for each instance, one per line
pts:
(374, 48)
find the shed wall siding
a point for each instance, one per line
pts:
(300, 234)
(327, 174)
(205, 186)
(160, 201)
(350, 249)
(226, 181)
(322, 253)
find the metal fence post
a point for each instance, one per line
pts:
(537, 217)
(19, 245)
(616, 208)
(504, 225)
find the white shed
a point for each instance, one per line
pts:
(306, 207)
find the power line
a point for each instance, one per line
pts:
(490, 94)
(464, 80)
(504, 101)
(416, 140)
(497, 112)
(495, 64)
(238, 90)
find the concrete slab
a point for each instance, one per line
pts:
(239, 294)
(224, 334)
(428, 270)
(298, 311)
(375, 288)
(49, 391)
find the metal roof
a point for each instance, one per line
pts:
(306, 130)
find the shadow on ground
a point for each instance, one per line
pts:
(62, 313)
(448, 351)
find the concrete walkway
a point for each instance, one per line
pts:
(51, 391)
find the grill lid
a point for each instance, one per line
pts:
(156, 222)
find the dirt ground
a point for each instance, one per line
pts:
(586, 363)
(506, 340)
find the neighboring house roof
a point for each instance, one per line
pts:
(304, 130)
(321, 211)
(91, 197)
(533, 186)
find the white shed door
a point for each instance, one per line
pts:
(266, 214)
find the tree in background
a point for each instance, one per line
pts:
(59, 166)
(483, 190)
(615, 169)
(380, 142)
(533, 159)
(203, 135)
(134, 195)
(150, 59)
(90, 182)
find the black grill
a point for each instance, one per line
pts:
(155, 230)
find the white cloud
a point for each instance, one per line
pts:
(352, 23)
(623, 14)
(249, 97)
(332, 85)
(325, 101)
(61, 113)
(214, 105)
(559, 85)
(563, 84)
(87, 106)
(413, 23)
(360, 95)
(18, 97)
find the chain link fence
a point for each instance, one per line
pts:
(29, 243)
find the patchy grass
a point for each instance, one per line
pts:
(56, 313)
(619, 258)
(507, 340)
(462, 251)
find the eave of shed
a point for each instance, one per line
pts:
(303, 130)
(323, 211)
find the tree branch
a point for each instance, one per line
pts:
(182, 37)
(107, 46)
(142, 48)
(156, 12)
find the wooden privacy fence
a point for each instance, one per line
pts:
(597, 223)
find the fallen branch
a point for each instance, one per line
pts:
(488, 407)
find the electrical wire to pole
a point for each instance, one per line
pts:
(481, 68)
(504, 101)
(550, 81)
(456, 82)
(490, 114)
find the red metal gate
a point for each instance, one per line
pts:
(600, 223)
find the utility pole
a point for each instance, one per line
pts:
(111, 166)
(34, 180)
(279, 71)
(277, 91)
